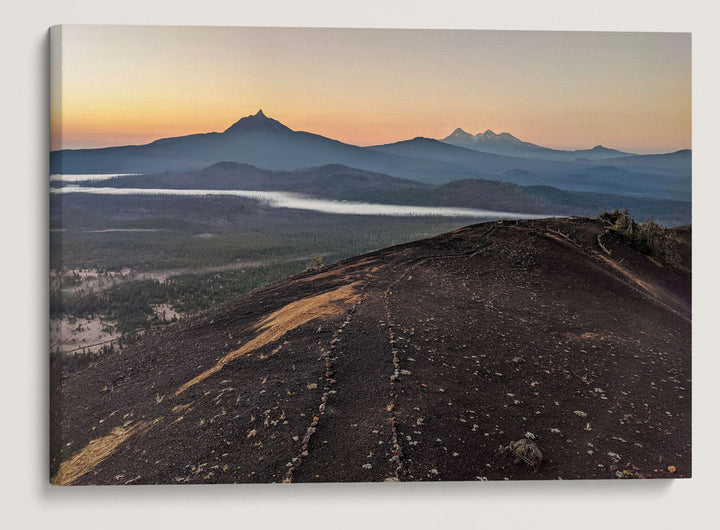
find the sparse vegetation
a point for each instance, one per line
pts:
(122, 277)
(66, 362)
(659, 243)
(316, 261)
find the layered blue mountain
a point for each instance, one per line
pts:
(349, 184)
(662, 176)
(614, 179)
(266, 143)
(678, 163)
(256, 140)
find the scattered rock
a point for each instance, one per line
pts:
(525, 450)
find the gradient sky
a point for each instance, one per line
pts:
(122, 85)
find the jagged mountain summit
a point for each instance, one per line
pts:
(256, 140)
(256, 123)
(507, 144)
(487, 137)
(411, 363)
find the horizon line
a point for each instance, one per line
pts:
(629, 150)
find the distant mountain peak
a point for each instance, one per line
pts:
(460, 134)
(601, 149)
(255, 123)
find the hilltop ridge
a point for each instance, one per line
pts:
(414, 362)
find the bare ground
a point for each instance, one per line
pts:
(76, 334)
(413, 363)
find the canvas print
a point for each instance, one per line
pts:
(291, 255)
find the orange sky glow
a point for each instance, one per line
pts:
(120, 85)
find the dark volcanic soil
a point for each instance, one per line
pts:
(416, 362)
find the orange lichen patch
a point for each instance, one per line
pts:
(347, 269)
(556, 237)
(588, 335)
(96, 451)
(628, 275)
(365, 261)
(661, 296)
(321, 275)
(272, 352)
(180, 408)
(276, 325)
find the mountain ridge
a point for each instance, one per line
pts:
(507, 144)
(266, 143)
(520, 192)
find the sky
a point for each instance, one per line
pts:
(122, 85)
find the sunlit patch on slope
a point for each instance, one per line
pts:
(277, 324)
(96, 451)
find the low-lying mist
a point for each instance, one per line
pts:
(280, 199)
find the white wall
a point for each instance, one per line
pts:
(27, 498)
